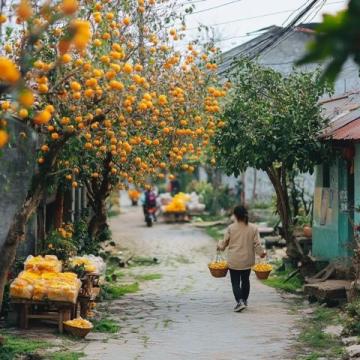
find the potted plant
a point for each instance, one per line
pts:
(305, 221)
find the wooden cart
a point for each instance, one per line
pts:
(175, 217)
(57, 311)
(89, 292)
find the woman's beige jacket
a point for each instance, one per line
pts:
(243, 242)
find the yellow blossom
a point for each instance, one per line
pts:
(8, 71)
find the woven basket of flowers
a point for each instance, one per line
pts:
(219, 267)
(262, 270)
(78, 327)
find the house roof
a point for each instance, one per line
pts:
(257, 45)
(343, 113)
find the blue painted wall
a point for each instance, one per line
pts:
(332, 233)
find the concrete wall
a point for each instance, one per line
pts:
(17, 164)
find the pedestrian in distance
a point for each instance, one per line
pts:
(243, 241)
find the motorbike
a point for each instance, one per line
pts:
(150, 216)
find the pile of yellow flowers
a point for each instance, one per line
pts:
(78, 261)
(79, 323)
(134, 194)
(43, 280)
(262, 267)
(66, 231)
(178, 203)
(39, 263)
(218, 265)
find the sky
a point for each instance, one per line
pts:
(238, 18)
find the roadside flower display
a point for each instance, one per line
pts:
(42, 279)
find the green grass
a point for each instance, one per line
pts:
(112, 292)
(144, 261)
(214, 232)
(312, 335)
(15, 345)
(326, 315)
(67, 356)
(207, 217)
(312, 356)
(277, 280)
(148, 277)
(106, 326)
(315, 338)
(113, 274)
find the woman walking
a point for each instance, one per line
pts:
(243, 242)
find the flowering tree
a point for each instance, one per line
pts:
(111, 100)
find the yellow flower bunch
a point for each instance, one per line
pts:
(262, 267)
(46, 285)
(79, 323)
(219, 265)
(178, 203)
(82, 37)
(79, 261)
(9, 73)
(39, 263)
(134, 194)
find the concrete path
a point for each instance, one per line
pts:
(187, 314)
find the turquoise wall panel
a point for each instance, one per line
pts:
(326, 239)
(345, 234)
(357, 184)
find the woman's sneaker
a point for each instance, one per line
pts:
(240, 306)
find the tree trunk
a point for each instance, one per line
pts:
(294, 193)
(254, 194)
(98, 222)
(59, 208)
(98, 192)
(242, 193)
(278, 179)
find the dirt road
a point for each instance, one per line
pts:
(187, 314)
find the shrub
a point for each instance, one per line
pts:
(214, 199)
(60, 242)
(352, 320)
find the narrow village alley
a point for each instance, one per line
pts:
(187, 314)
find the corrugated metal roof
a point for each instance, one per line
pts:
(350, 131)
(343, 113)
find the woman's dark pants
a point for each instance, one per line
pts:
(240, 281)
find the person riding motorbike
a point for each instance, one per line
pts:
(149, 202)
